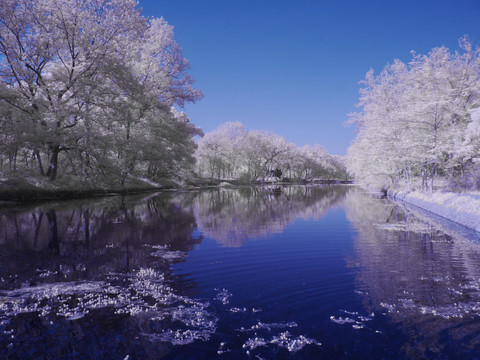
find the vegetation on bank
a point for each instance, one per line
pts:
(38, 189)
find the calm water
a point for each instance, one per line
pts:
(320, 272)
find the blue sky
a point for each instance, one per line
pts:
(293, 66)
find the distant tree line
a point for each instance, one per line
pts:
(88, 88)
(233, 152)
(420, 121)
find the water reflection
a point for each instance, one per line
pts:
(421, 273)
(94, 279)
(80, 239)
(83, 276)
(96, 274)
(230, 216)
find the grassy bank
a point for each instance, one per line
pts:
(462, 208)
(38, 189)
(31, 188)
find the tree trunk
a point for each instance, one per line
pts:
(13, 160)
(424, 178)
(39, 161)
(52, 168)
(432, 174)
(409, 177)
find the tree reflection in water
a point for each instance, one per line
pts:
(94, 279)
(421, 272)
(82, 277)
(230, 216)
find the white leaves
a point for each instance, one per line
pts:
(117, 74)
(231, 151)
(417, 116)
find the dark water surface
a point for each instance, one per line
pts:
(299, 272)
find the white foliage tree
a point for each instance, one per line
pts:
(85, 77)
(415, 119)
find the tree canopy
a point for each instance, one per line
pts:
(90, 87)
(419, 120)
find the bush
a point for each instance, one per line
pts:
(470, 180)
(244, 178)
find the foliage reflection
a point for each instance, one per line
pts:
(230, 216)
(102, 267)
(419, 271)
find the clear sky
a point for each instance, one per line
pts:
(293, 66)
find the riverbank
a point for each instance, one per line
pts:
(33, 189)
(462, 208)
